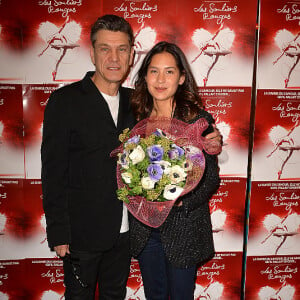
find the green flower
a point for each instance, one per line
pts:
(124, 135)
(152, 195)
(165, 143)
(137, 190)
(165, 180)
(148, 141)
(122, 194)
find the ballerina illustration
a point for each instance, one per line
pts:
(213, 291)
(3, 220)
(280, 229)
(135, 294)
(290, 48)
(1, 131)
(285, 292)
(144, 40)
(218, 219)
(285, 143)
(52, 295)
(212, 46)
(60, 40)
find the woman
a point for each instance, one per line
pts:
(169, 255)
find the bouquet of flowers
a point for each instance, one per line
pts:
(159, 160)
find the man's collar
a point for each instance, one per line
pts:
(87, 83)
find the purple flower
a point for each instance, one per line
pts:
(123, 159)
(173, 154)
(159, 133)
(176, 152)
(155, 152)
(179, 149)
(155, 172)
(134, 140)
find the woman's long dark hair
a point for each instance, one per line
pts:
(186, 97)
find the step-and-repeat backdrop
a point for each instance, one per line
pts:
(244, 55)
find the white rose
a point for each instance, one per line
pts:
(126, 176)
(172, 192)
(177, 174)
(137, 155)
(147, 183)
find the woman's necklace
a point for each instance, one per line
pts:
(173, 110)
(155, 112)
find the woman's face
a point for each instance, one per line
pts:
(163, 77)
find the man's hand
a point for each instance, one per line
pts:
(62, 250)
(213, 141)
(215, 135)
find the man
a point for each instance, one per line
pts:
(87, 225)
(82, 123)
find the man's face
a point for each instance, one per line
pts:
(112, 55)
